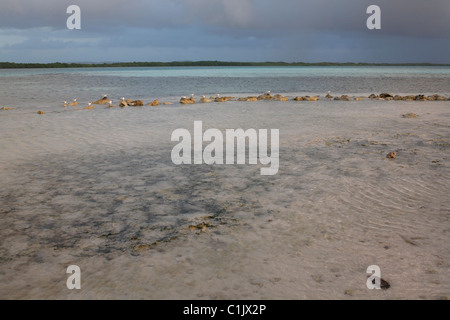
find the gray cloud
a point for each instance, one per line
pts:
(282, 29)
(405, 17)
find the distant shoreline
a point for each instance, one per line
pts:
(13, 65)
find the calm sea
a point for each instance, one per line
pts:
(32, 87)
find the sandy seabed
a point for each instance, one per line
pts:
(97, 189)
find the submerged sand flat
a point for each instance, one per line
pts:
(97, 188)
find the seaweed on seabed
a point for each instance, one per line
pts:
(142, 247)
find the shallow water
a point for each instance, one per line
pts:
(97, 188)
(48, 88)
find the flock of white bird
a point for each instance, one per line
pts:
(110, 103)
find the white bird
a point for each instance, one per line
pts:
(268, 92)
(183, 97)
(123, 98)
(74, 103)
(192, 95)
(218, 95)
(105, 95)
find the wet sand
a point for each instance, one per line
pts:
(97, 188)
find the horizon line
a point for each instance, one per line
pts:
(199, 63)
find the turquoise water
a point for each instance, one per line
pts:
(244, 72)
(32, 88)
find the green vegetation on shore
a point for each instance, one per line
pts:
(13, 65)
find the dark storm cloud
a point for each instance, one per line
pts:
(405, 17)
(285, 28)
(23, 14)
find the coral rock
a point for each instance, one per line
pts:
(136, 103)
(391, 155)
(154, 103)
(420, 97)
(104, 100)
(219, 99)
(204, 100)
(187, 101)
(436, 97)
(410, 115)
(279, 97)
(266, 96)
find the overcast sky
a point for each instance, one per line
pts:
(228, 30)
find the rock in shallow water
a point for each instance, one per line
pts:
(391, 155)
(204, 100)
(136, 103)
(266, 96)
(154, 103)
(436, 97)
(420, 97)
(104, 100)
(409, 115)
(187, 101)
(248, 99)
(279, 97)
(220, 99)
(386, 95)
